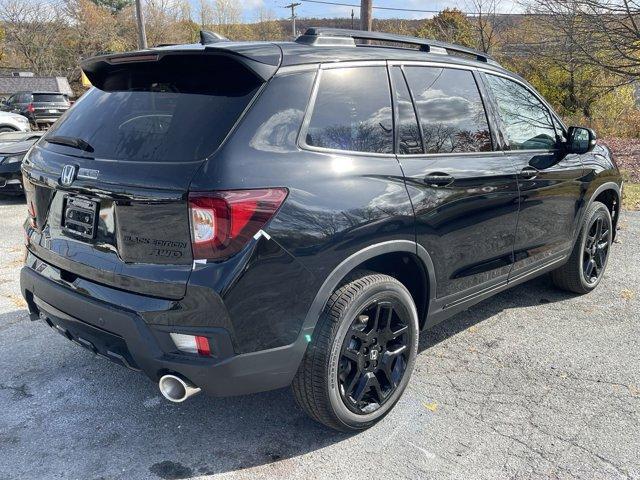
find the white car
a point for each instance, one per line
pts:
(13, 122)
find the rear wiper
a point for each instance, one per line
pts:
(70, 142)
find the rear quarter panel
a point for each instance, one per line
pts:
(338, 204)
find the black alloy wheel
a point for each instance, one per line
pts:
(373, 357)
(361, 354)
(585, 267)
(596, 249)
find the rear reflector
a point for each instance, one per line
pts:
(223, 222)
(191, 344)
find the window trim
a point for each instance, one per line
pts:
(302, 134)
(485, 95)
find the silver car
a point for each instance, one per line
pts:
(12, 122)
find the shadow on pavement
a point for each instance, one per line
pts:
(12, 199)
(534, 292)
(101, 407)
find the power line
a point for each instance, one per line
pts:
(397, 9)
(394, 9)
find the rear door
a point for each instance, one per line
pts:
(464, 194)
(107, 185)
(549, 180)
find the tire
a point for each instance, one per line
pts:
(7, 129)
(347, 324)
(575, 275)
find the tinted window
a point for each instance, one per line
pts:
(48, 97)
(450, 110)
(352, 111)
(409, 141)
(178, 109)
(525, 118)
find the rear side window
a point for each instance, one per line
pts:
(526, 120)
(178, 109)
(352, 111)
(48, 98)
(450, 110)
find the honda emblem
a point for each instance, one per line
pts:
(68, 175)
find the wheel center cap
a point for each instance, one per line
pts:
(373, 355)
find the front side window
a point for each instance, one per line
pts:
(450, 110)
(352, 111)
(525, 118)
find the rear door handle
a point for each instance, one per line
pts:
(529, 173)
(438, 179)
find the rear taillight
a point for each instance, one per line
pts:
(31, 108)
(223, 222)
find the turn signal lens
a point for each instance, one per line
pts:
(223, 222)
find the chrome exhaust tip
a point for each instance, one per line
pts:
(176, 389)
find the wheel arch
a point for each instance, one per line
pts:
(609, 194)
(377, 257)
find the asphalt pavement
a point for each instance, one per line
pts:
(534, 383)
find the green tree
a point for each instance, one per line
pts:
(114, 6)
(450, 25)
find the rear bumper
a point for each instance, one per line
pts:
(124, 337)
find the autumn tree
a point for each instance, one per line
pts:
(450, 25)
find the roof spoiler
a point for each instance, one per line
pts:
(320, 36)
(263, 64)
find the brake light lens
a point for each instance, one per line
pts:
(30, 108)
(223, 222)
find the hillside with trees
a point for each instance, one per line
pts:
(582, 55)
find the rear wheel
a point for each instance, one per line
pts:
(361, 355)
(6, 129)
(586, 266)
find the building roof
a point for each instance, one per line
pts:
(10, 84)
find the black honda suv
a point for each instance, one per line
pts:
(240, 217)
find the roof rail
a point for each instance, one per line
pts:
(333, 37)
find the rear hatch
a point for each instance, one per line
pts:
(107, 186)
(48, 105)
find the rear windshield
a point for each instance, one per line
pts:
(48, 98)
(178, 109)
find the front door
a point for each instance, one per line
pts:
(464, 194)
(549, 180)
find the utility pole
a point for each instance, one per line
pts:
(366, 15)
(293, 6)
(142, 34)
(352, 15)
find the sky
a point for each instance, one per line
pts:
(309, 9)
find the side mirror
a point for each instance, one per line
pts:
(580, 140)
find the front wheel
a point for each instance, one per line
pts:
(585, 268)
(361, 355)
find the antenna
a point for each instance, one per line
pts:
(293, 6)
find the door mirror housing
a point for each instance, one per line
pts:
(580, 140)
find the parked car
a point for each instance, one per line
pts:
(13, 122)
(301, 218)
(12, 151)
(41, 108)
